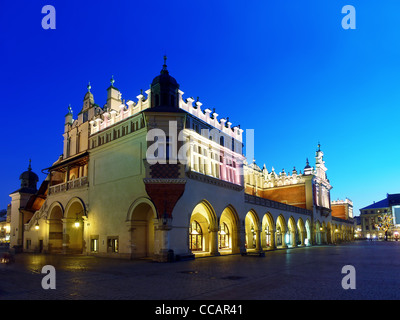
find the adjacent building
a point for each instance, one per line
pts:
(162, 177)
(371, 214)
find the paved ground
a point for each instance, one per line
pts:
(311, 273)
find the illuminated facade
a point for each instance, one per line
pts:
(342, 209)
(369, 217)
(161, 177)
(5, 227)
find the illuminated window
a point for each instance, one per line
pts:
(196, 236)
(267, 236)
(224, 236)
(94, 244)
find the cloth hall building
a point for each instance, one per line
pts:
(162, 177)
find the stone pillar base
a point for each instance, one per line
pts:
(164, 256)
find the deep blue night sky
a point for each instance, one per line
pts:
(286, 69)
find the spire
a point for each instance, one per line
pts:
(164, 69)
(307, 164)
(29, 179)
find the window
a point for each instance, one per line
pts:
(224, 236)
(221, 141)
(94, 244)
(112, 244)
(267, 236)
(68, 147)
(196, 236)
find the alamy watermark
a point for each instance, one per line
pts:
(349, 20)
(49, 20)
(349, 280)
(49, 280)
(174, 147)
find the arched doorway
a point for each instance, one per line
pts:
(252, 232)
(203, 221)
(55, 223)
(280, 233)
(267, 232)
(291, 235)
(142, 215)
(228, 233)
(301, 231)
(73, 225)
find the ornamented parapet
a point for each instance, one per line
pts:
(124, 111)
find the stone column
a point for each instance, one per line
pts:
(259, 249)
(163, 238)
(242, 238)
(213, 235)
(272, 239)
(284, 244)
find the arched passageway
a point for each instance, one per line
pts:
(228, 232)
(267, 232)
(203, 230)
(73, 225)
(142, 216)
(281, 230)
(55, 223)
(252, 232)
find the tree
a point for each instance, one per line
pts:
(384, 223)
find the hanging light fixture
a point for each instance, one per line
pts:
(77, 223)
(37, 225)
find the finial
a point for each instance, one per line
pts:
(165, 64)
(89, 87)
(319, 146)
(29, 167)
(69, 109)
(112, 81)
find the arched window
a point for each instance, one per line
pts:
(224, 236)
(196, 236)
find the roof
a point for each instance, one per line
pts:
(390, 200)
(394, 199)
(380, 204)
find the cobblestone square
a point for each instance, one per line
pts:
(310, 273)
